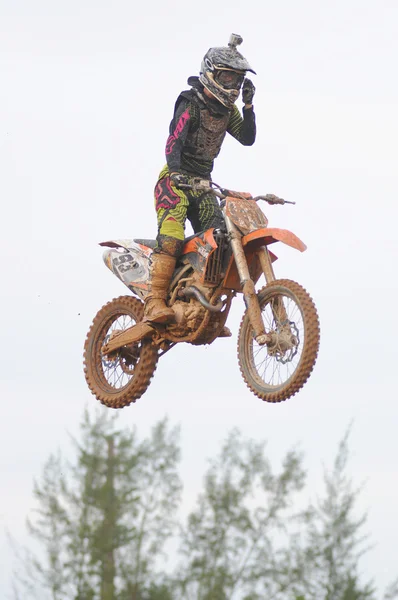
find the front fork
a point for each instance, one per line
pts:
(277, 306)
(249, 291)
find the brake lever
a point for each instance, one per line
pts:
(272, 199)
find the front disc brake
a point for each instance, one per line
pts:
(284, 343)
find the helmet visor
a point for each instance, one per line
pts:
(229, 80)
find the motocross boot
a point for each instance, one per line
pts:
(156, 309)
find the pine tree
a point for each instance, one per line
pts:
(103, 520)
(334, 539)
(236, 543)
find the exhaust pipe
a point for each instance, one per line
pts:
(193, 292)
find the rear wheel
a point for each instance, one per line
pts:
(123, 377)
(277, 370)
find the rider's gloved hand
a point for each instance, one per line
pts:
(178, 178)
(248, 91)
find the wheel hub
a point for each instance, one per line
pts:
(283, 342)
(128, 357)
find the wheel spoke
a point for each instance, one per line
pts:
(118, 372)
(121, 378)
(275, 368)
(118, 378)
(266, 365)
(278, 369)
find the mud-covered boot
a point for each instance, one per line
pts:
(156, 309)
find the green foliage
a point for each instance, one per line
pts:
(236, 541)
(102, 523)
(103, 520)
(392, 591)
(334, 541)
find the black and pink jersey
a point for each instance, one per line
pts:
(197, 131)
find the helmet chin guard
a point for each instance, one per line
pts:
(223, 70)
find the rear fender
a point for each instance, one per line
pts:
(130, 244)
(129, 261)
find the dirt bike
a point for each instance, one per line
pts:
(279, 333)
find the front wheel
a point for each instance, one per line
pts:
(277, 370)
(123, 377)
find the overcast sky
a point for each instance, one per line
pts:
(87, 90)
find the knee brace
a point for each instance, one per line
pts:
(169, 245)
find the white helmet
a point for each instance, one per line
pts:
(223, 71)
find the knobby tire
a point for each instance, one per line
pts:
(142, 371)
(304, 302)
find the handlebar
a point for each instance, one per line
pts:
(203, 185)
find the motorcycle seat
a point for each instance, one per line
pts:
(148, 243)
(152, 243)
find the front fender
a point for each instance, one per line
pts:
(270, 235)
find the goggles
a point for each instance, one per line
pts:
(229, 80)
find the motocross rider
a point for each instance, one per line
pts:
(202, 117)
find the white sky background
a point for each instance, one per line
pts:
(87, 91)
